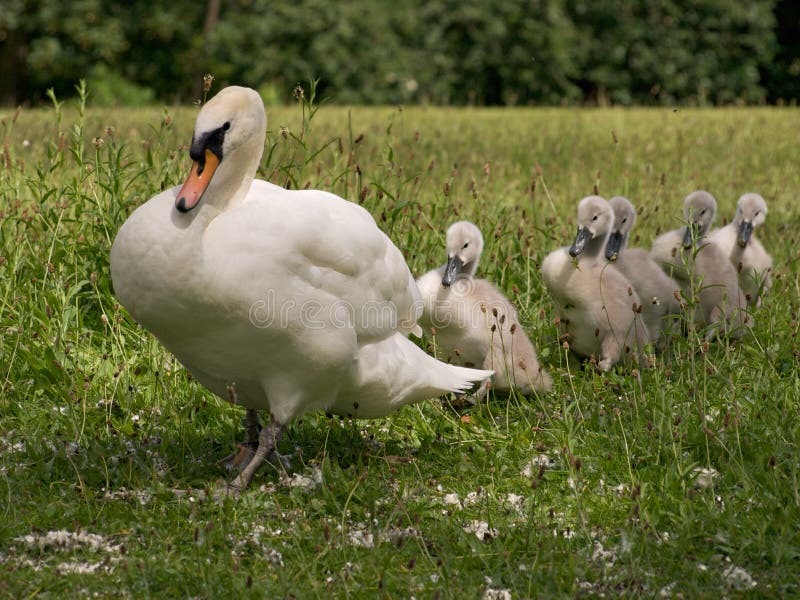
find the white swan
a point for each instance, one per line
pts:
(706, 276)
(597, 306)
(736, 239)
(475, 324)
(287, 301)
(656, 289)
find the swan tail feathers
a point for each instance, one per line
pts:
(446, 378)
(396, 371)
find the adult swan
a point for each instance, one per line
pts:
(286, 301)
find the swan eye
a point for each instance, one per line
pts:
(226, 126)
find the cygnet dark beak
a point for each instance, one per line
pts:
(451, 271)
(583, 236)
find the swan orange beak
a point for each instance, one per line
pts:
(197, 182)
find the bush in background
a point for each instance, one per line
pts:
(484, 52)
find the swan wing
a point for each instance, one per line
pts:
(315, 250)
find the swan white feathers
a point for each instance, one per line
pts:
(293, 299)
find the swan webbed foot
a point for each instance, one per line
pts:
(267, 450)
(280, 460)
(241, 457)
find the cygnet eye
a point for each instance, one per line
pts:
(625, 220)
(226, 126)
(594, 218)
(702, 212)
(755, 215)
(465, 246)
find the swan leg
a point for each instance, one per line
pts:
(252, 426)
(243, 453)
(267, 448)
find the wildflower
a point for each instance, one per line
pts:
(481, 530)
(704, 478)
(738, 578)
(208, 80)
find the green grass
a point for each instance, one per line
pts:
(103, 432)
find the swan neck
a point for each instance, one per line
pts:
(231, 184)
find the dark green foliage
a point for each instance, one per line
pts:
(498, 52)
(673, 50)
(492, 52)
(351, 47)
(782, 75)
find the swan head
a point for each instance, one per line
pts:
(751, 212)
(232, 123)
(624, 220)
(699, 208)
(464, 247)
(595, 219)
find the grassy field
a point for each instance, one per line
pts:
(682, 484)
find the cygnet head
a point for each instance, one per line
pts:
(751, 212)
(624, 220)
(699, 209)
(595, 219)
(464, 247)
(232, 120)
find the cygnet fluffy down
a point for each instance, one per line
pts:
(707, 278)
(657, 290)
(473, 322)
(737, 241)
(598, 308)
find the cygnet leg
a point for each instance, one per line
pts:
(609, 352)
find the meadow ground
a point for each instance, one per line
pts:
(683, 483)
